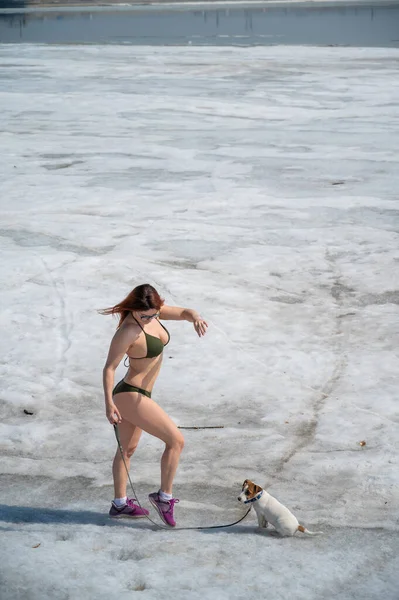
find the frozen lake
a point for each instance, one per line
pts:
(259, 186)
(353, 25)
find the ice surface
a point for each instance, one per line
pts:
(259, 186)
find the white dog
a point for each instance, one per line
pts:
(270, 510)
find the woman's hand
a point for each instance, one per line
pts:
(200, 326)
(113, 414)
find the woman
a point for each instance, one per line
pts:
(142, 337)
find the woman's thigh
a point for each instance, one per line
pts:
(129, 435)
(147, 415)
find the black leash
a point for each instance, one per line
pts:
(149, 518)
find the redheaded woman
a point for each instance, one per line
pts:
(142, 337)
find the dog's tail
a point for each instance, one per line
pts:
(303, 529)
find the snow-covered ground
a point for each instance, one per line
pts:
(73, 5)
(259, 186)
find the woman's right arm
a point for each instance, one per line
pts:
(120, 343)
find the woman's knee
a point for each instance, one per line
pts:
(177, 443)
(130, 450)
(127, 452)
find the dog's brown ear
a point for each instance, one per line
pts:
(257, 489)
(245, 483)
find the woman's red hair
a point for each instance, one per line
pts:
(143, 297)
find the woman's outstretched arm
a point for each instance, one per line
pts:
(176, 313)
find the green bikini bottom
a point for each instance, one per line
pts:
(122, 386)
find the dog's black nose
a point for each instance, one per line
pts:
(239, 498)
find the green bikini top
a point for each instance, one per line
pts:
(154, 345)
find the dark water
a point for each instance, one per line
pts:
(359, 25)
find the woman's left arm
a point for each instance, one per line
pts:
(175, 313)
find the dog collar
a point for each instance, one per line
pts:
(254, 499)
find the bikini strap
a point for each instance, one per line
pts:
(164, 328)
(142, 328)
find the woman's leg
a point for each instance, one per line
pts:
(129, 435)
(147, 415)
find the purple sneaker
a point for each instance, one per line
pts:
(129, 510)
(164, 508)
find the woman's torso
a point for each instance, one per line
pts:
(145, 354)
